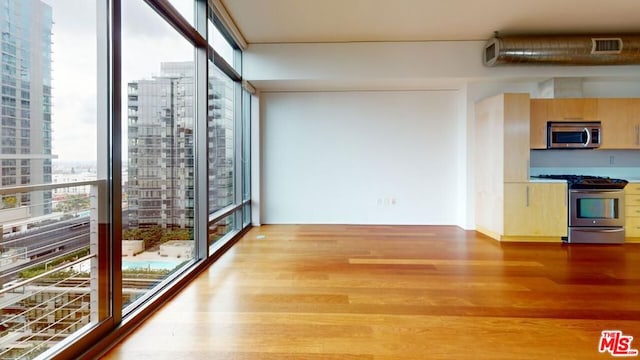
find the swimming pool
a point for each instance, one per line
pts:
(149, 264)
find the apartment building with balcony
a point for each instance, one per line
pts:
(160, 148)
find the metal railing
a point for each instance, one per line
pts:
(53, 291)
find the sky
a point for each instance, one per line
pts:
(147, 41)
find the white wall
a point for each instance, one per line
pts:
(256, 163)
(346, 157)
(295, 113)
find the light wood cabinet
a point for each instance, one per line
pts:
(535, 209)
(632, 212)
(582, 109)
(620, 123)
(501, 155)
(502, 137)
(544, 110)
(508, 206)
(538, 127)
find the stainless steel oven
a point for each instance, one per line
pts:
(596, 208)
(596, 216)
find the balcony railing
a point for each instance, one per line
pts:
(49, 265)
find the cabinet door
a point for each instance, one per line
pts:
(620, 123)
(538, 126)
(632, 210)
(535, 209)
(572, 109)
(517, 209)
(632, 227)
(516, 137)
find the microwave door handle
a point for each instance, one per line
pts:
(586, 130)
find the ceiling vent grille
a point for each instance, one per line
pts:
(606, 46)
(563, 50)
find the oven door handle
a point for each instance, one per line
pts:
(595, 191)
(586, 130)
(602, 230)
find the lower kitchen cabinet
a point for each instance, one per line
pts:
(535, 211)
(632, 212)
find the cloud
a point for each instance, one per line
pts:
(72, 15)
(141, 21)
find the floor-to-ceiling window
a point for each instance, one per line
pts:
(158, 123)
(123, 159)
(50, 184)
(228, 136)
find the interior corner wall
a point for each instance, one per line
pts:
(382, 66)
(360, 157)
(464, 221)
(256, 217)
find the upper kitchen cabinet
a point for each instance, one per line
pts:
(539, 118)
(620, 123)
(544, 110)
(582, 109)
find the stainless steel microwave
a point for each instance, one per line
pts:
(574, 135)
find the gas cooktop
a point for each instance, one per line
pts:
(588, 182)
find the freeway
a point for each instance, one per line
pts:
(45, 243)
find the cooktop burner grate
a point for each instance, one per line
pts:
(588, 182)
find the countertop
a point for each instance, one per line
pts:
(539, 180)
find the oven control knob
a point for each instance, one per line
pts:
(594, 221)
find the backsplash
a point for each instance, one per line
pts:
(623, 164)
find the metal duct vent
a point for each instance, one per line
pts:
(606, 46)
(563, 50)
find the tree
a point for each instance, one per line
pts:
(156, 235)
(132, 234)
(9, 202)
(74, 203)
(178, 234)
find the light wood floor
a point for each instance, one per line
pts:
(384, 292)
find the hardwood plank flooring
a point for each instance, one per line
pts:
(396, 292)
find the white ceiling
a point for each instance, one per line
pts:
(285, 21)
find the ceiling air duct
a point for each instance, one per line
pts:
(563, 50)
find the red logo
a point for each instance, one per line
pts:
(616, 343)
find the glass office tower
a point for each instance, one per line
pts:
(25, 129)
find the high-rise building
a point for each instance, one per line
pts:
(161, 162)
(220, 142)
(161, 118)
(25, 129)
